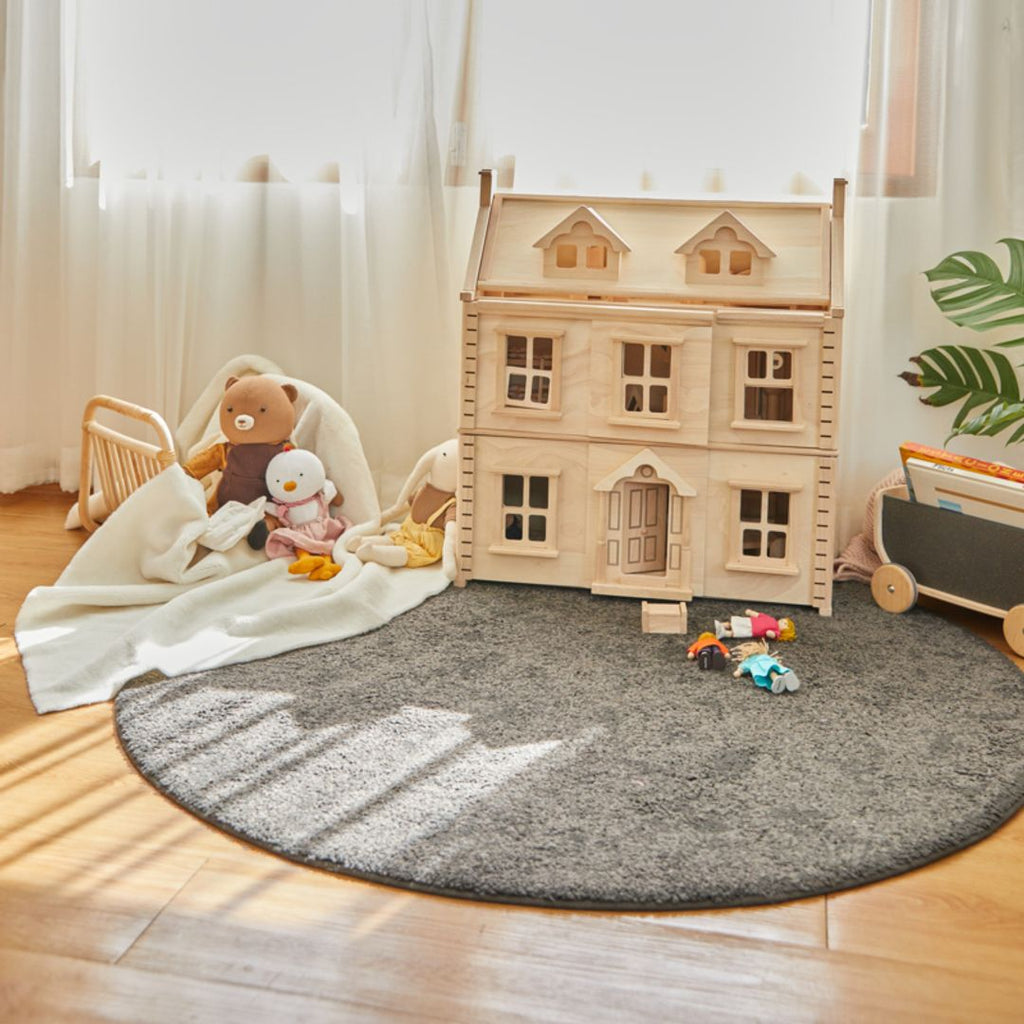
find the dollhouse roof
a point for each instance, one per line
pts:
(725, 220)
(590, 217)
(796, 270)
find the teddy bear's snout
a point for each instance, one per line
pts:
(289, 485)
(244, 421)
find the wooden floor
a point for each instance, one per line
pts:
(115, 904)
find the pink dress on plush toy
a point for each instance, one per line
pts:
(301, 495)
(317, 536)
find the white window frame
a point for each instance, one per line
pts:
(743, 380)
(546, 548)
(762, 563)
(526, 406)
(621, 416)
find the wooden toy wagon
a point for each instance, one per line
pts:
(959, 558)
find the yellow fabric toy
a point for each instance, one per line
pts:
(427, 534)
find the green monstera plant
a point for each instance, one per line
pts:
(969, 288)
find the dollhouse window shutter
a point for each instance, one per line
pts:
(584, 245)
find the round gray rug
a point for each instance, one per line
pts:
(532, 745)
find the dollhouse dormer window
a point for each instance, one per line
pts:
(582, 245)
(725, 252)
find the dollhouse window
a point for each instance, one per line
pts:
(710, 261)
(566, 256)
(766, 395)
(646, 378)
(763, 521)
(768, 385)
(725, 251)
(740, 261)
(726, 255)
(530, 374)
(582, 245)
(527, 513)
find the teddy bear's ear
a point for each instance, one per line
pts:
(291, 391)
(229, 382)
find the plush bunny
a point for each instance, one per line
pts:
(301, 493)
(427, 534)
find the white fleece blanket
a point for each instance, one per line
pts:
(164, 586)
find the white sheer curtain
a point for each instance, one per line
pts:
(171, 199)
(967, 158)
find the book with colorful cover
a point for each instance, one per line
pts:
(965, 491)
(912, 450)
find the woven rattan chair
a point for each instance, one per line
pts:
(116, 463)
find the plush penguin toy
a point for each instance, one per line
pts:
(300, 498)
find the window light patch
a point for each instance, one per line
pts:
(538, 492)
(710, 261)
(515, 350)
(661, 361)
(633, 360)
(750, 506)
(740, 261)
(565, 257)
(512, 490)
(543, 353)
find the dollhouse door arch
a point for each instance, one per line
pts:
(643, 524)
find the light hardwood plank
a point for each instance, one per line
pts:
(37, 987)
(802, 922)
(963, 912)
(301, 933)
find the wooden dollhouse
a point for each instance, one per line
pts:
(649, 395)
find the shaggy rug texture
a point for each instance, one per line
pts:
(532, 745)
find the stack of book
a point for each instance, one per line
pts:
(974, 487)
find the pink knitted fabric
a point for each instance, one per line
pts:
(860, 559)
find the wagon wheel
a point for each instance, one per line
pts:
(894, 588)
(1013, 629)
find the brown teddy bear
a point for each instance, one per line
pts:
(257, 416)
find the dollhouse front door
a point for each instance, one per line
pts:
(645, 532)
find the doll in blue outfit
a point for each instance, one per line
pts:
(766, 670)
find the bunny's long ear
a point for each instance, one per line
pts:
(415, 478)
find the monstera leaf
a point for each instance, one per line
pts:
(974, 293)
(979, 378)
(970, 289)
